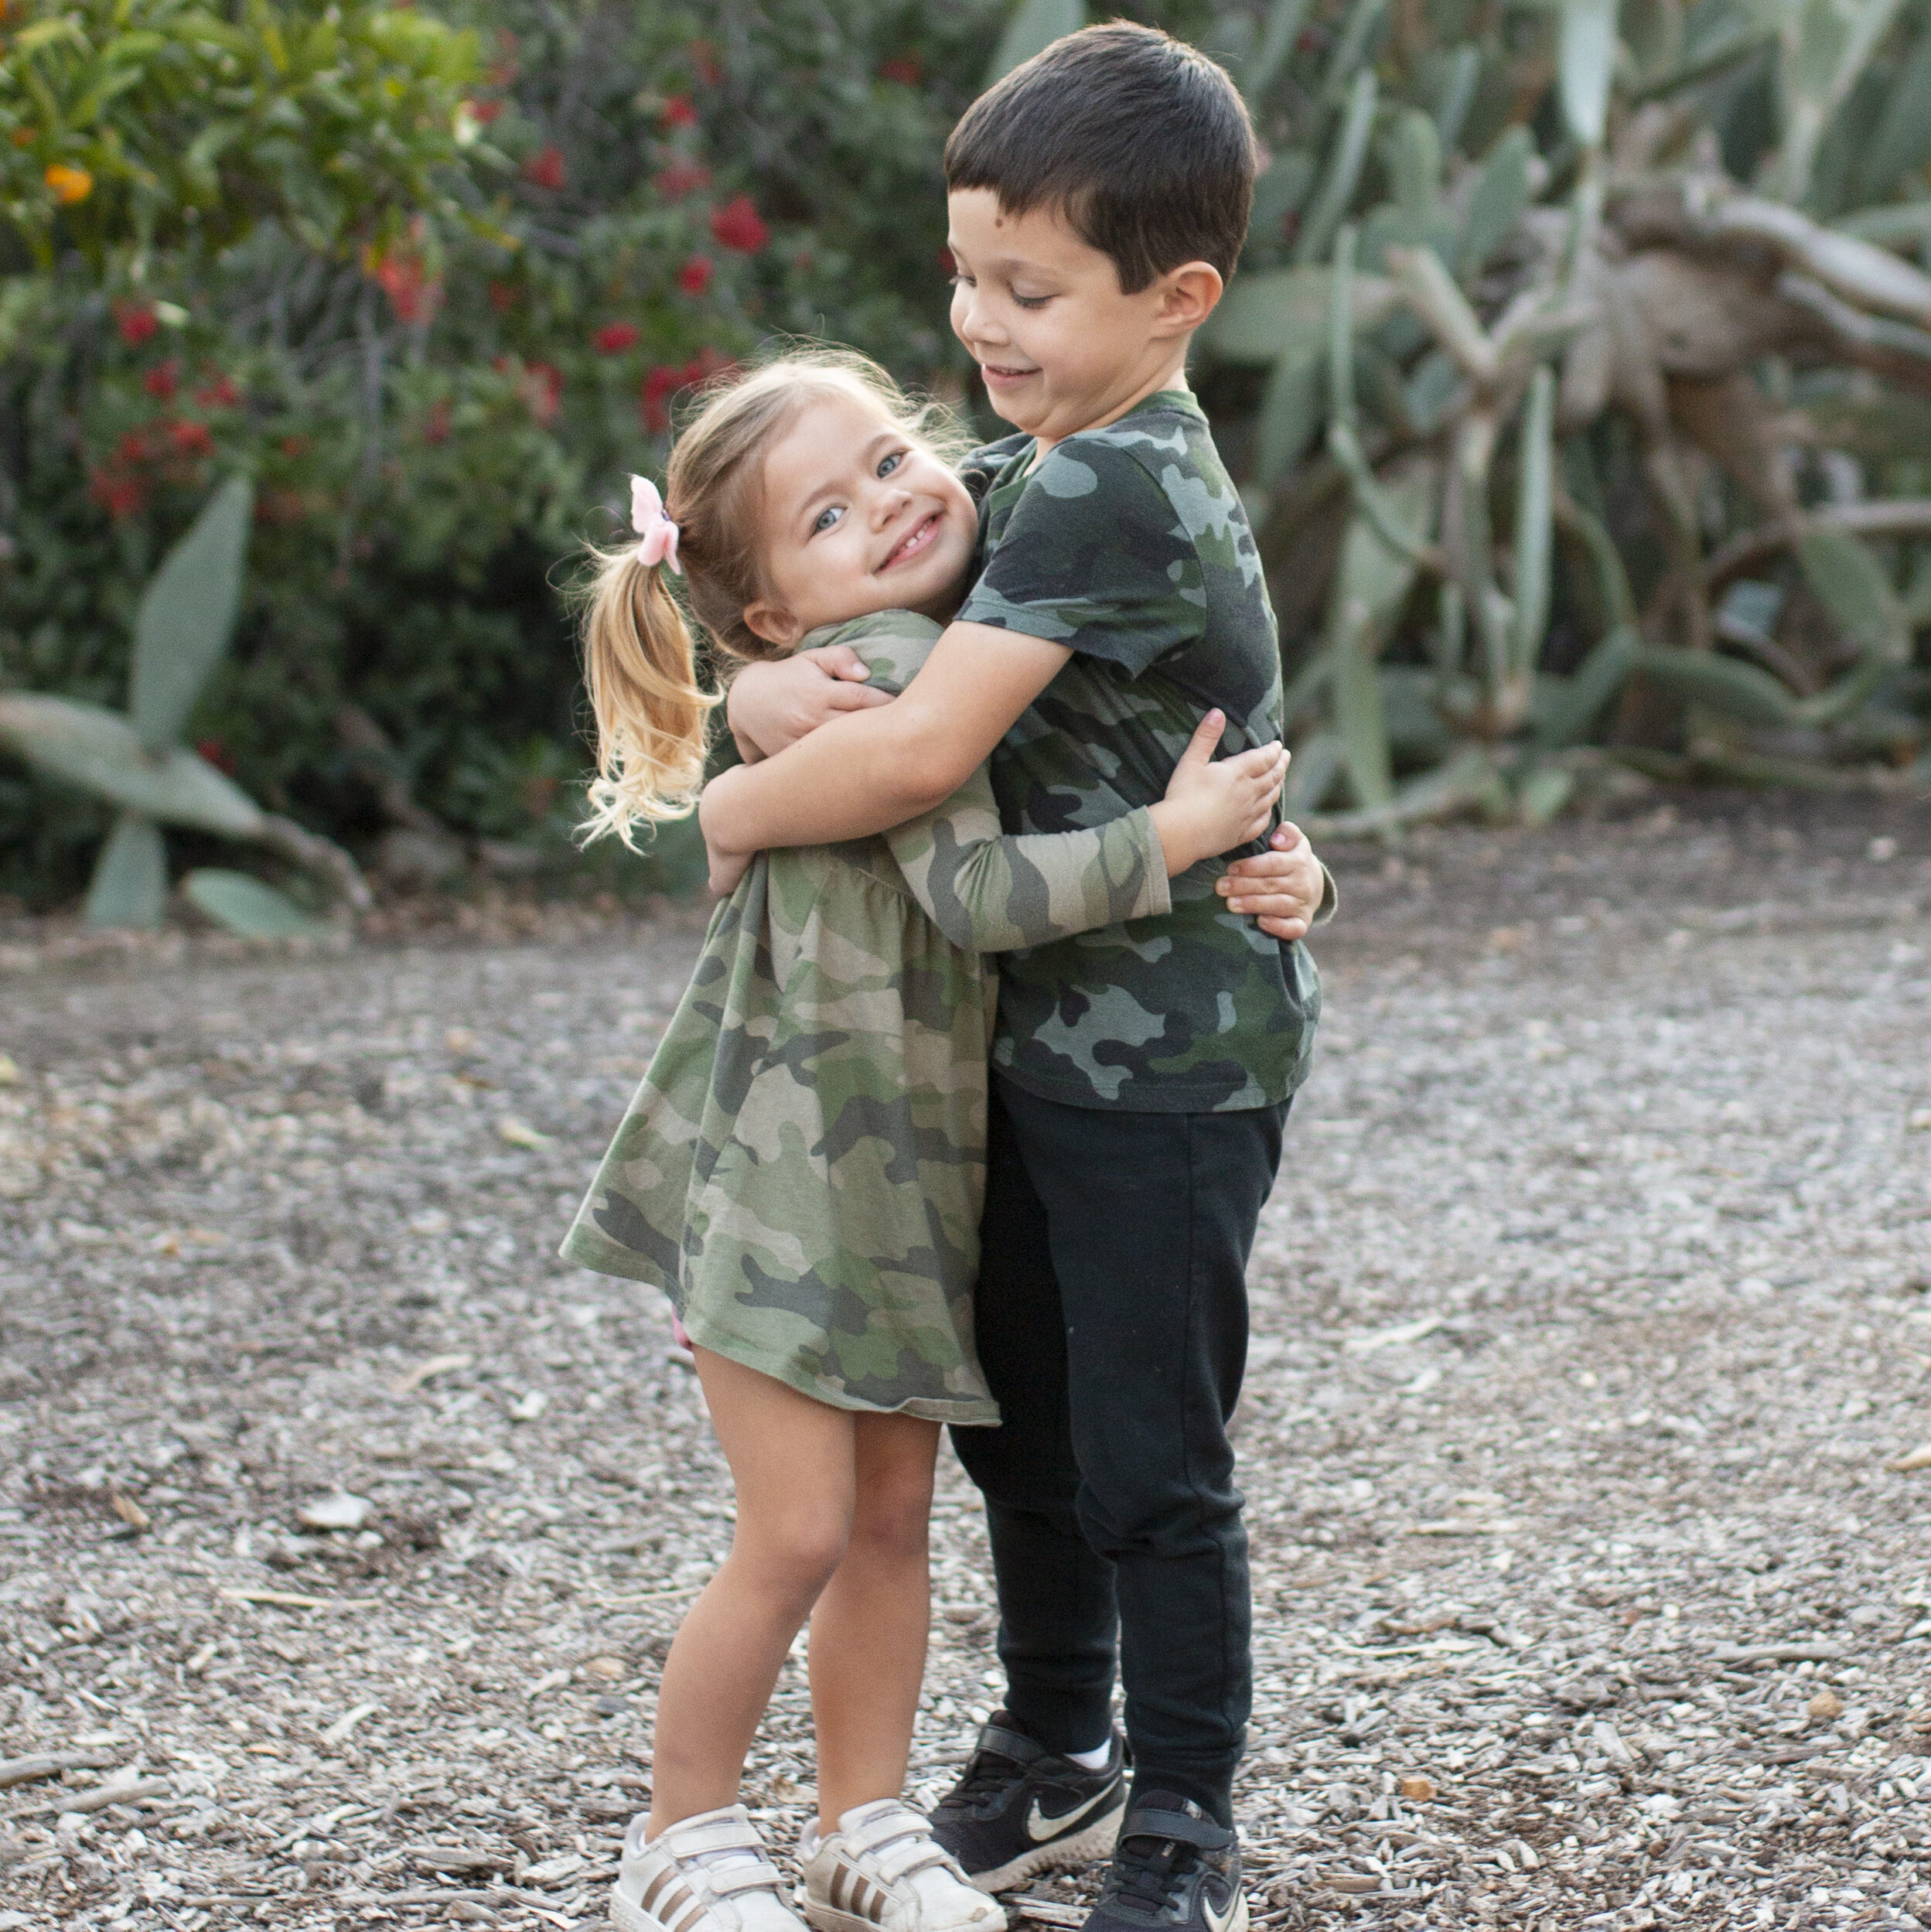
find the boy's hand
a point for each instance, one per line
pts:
(1212, 805)
(773, 704)
(1281, 889)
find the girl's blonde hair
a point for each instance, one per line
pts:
(640, 662)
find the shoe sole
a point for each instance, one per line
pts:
(1059, 1854)
(631, 1918)
(826, 1918)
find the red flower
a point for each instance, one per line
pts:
(220, 394)
(504, 296)
(163, 379)
(436, 425)
(545, 170)
(703, 59)
(680, 177)
(132, 448)
(414, 293)
(483, 112)
(117, 493)
(294, 447)
(191, 438)
(614, 337)
(694, 277)
(137, 321)
(214, 752)
(907, 69)
(738, 225)
(679, 111)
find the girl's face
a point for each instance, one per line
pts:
(857, 517)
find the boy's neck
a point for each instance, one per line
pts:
(1174, 375)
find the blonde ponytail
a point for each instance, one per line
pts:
(640, 665)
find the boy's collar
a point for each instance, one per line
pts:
(1185, 400)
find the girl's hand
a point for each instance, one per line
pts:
(1212, 805)
(1280, 888)
(774, 703)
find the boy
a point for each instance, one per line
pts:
(1099, 198)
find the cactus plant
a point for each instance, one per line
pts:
(1580, 385)
(137, 761)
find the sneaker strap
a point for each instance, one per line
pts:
(1015, 1745)
(1150, 1823)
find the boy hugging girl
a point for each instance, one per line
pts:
(970, 1109)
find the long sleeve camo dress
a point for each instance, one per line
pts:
(802, 1169)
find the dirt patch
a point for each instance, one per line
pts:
(1591, 1313)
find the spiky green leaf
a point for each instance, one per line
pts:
(245, 905)
(1852, 585)
(1498, 201)
(1034, 26)
(130, 882)
(1264, 316)
(99, 751)
(1585, 59)
(187, 615)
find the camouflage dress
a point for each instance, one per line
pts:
(802, 1169)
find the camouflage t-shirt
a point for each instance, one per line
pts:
(1129, 545)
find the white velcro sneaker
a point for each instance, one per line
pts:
(883, 1871)
(709, 1873)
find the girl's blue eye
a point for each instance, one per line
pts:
(825, 519)
(892, 462)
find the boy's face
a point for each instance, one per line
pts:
(857, 517)
(1060, 344)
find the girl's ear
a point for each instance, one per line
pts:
(773, 622)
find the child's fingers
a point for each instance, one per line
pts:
(838, 660)
(1207, 736)
(1255, 762)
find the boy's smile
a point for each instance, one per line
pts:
(1061, 346)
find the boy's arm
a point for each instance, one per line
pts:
(873, 769)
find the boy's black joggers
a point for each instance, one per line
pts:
(1112, 1321)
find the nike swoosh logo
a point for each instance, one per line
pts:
(1235, 1913)
(1039, 1828)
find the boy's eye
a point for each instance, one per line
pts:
(1030, 302)
(960, 281)
(826, 519)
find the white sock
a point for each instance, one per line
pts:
(1093, 1760)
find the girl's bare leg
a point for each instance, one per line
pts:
(792, 1460)
(868, 1631)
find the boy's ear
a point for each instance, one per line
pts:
(773, 622)
(1189, 294)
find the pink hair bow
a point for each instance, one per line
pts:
(658, 535)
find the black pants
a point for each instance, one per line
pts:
(1113, 1325)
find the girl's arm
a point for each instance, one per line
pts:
(992, 893)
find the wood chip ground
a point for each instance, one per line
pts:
(1591, 1313)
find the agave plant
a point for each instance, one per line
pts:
(138, 761)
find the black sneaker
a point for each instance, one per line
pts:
(1173, 1868)
(1020, 1810)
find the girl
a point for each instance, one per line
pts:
(801, 1169)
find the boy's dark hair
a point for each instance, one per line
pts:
(1143, 143)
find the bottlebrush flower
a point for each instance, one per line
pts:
(738, 225)
(679, 111)
(136, 321)
(694, 277)
(545, 170)
(681, 178)
(615, 337)
(163, 379)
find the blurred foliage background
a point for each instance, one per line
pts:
(1578, 374)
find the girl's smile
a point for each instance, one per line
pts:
(857, 517)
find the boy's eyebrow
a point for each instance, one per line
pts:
(832, 486)
(1006, 264)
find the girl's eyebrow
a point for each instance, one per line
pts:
(832, 486)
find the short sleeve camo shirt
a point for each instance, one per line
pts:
(1129, 544)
